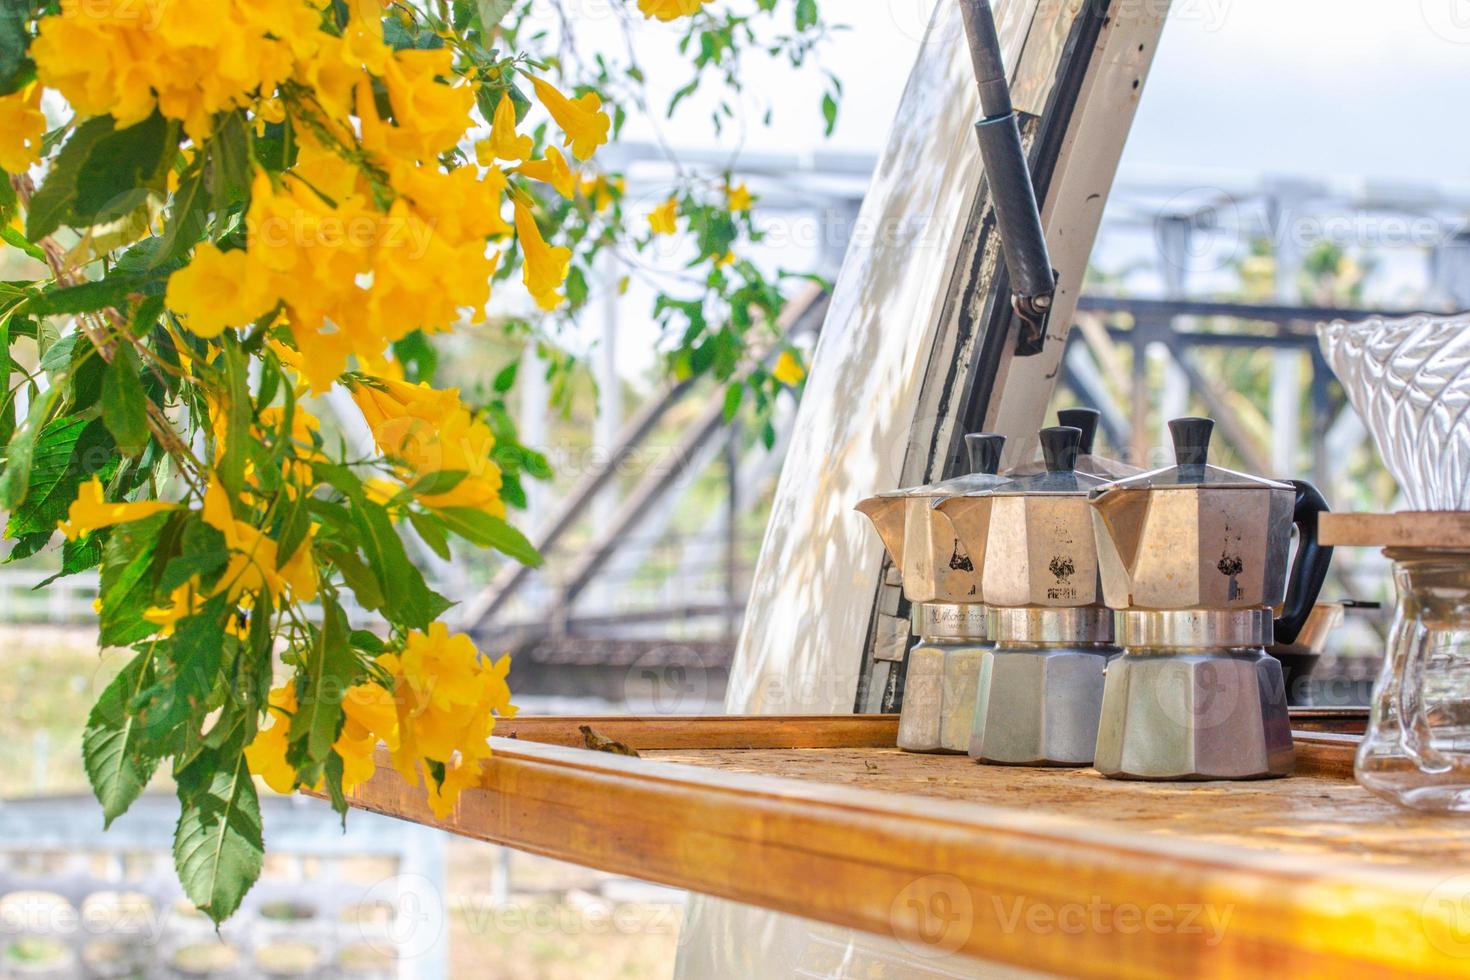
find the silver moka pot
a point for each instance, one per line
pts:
(1040, 688)
(942, 581)
(1195, 557)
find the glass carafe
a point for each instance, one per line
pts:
(1417, 748)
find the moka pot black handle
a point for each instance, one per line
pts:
(1308, 568)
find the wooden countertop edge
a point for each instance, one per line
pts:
(1400, 529)
(906, 866)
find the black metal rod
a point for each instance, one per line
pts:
(990, 70)
(1011, 190)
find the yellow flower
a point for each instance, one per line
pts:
(553, 170)
(22, 125)
(448, 699)
(670, 9)
(788, 369)
(432, 431)
(429, 116)
(266, 753)
(727, 259)
(603, 191)
(544, 267)
(463, 774)
(90, 511)
(737, 198)
(503, 143)
(664, 218)
(183, 601)
(582, 120)
(369, 716)
(253, 556)
(218, 290)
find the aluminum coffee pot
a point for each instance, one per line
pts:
(922, 542)
(1196, 536)
(1195, 556)
(1040, 687)
(940, 580)
(1034, 533)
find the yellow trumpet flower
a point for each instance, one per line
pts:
(90, 511)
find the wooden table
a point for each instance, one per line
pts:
(1051, 869)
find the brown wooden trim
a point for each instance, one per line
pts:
(1344, 721)
(1403, 529)
(1325, 753)
(711, 731)
(896, 865)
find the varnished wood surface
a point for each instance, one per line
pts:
(722, 731)
(1046, 869)
(1403, 529)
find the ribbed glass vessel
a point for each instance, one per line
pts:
(1409, 380)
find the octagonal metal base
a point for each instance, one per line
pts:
(939, 696)
(1194, 715)
(1039, 706)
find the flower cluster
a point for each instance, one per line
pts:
(441, 712)
(368, 236)
(426, 431)
(189, 59)
(448, 698)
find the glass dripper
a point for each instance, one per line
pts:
(1409, 380)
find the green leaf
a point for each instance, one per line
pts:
(505, 379)
(16, 480)
(229, 162)
(87, 296)
(193, 656)
(59, 354)
(116, 766)
(100, 174)
(120, 169)
(127, 582)
(8, 199)
(124, 405)
(417, 355)
(187, 215)
(492, 12)
(431, 532)
(13, 40)
(482, 529)
(68, 453)
(53, 200)
(806, 14)
(293, 530)
(406, 598)
(331, 668)
(218, 844)
(829, 112)
(359, 578)
(76, 556)
(432, 484)
(237, 421)
(15, 239)
(734, 395)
